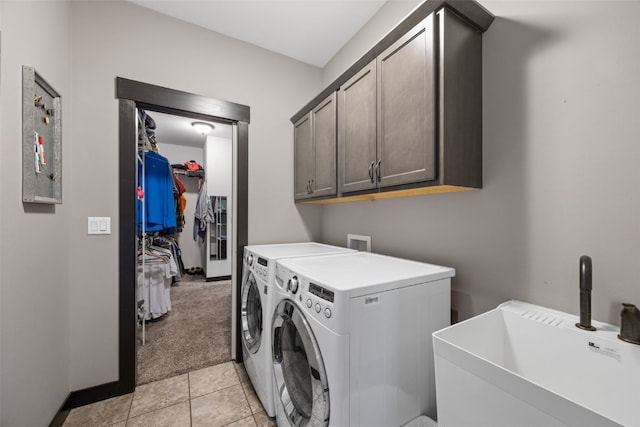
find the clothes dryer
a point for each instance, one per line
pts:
(352, 339)
(256, 309)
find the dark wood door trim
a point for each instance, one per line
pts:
(189, 103)
(132, 94)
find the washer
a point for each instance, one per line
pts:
(256, 309)
(352, 339)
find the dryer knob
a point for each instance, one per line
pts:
(318, 308)
(327, 312)
(250, 260)
(293, 284)
(309, 303)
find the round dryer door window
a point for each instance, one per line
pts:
(251, 314)
(301, 380)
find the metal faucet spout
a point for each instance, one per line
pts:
(585, 294)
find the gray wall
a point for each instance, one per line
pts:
(561, 95)
(112, 39)
(1, 119)
(34, 248)
(561, 101)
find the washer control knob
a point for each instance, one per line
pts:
(309, 303)
(318, 308)
(250, 260)
(327, 312)
(293, 284)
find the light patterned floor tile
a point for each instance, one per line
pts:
(214, 378)
(122, 424)
(245, 422)
(252, 398)
(220, 408)
(242, 373)
(102, 413)
(159, 394)
(263, 420)
(172, 416)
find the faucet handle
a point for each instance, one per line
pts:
(630, 324)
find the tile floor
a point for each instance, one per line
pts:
(220, 395)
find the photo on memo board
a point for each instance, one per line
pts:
(41, 140)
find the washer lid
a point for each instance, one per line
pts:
(362, 273)
(288, 250)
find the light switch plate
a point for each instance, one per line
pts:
(99, 225)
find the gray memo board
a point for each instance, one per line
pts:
(41, 157)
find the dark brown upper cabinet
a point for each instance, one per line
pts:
(357, 144)
(407, 108)
(386, 125)
(315, 152)
(409, 113)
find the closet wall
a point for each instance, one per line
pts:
(219, 169)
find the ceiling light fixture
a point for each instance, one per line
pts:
(202, 127)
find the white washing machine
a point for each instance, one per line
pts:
(352, 339)
(258, 276)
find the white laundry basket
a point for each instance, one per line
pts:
(421, 421)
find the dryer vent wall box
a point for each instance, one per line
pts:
(359, 243)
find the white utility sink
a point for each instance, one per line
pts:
(526, 365)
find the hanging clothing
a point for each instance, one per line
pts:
(154, 281)
(170, 243)
(203, 214)
(178, 198)
(159, 203)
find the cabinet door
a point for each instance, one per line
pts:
(407, 108)
(357, 131)
(323, 125)
(302, 158)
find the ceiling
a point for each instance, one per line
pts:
(311, 31)
(177, 130)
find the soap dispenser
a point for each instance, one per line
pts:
(630, 324)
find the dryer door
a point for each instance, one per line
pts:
(301, 380)
(251, 313)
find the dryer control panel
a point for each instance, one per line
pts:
(258, 265)
(321, 292)
(319, 301)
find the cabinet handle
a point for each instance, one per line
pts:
(378, 170)
(311, 182)
(308, 186)
(371, 171)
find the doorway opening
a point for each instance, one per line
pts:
(132, 96)
(185, 223)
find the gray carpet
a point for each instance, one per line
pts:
(195, 334)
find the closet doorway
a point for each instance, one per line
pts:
(184, 246)
(134, 97)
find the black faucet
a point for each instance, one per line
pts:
(585, 294)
